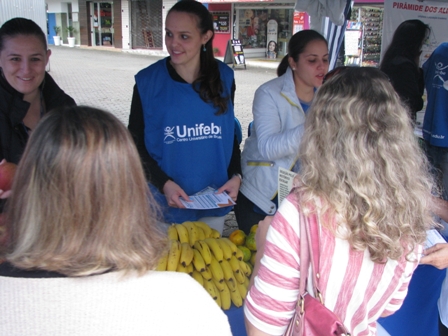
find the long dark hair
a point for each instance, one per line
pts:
(407, 41)
(208, 84)
(21, 26)
(296, 46)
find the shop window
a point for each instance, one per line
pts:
(252, 27)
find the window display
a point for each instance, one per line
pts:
(252, 29)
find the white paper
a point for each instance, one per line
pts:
(208, 199)
(285, 183)
(433, 237)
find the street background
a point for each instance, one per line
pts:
(105, 79)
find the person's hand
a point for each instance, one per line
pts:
(5, 194)
(260, 239)
(173, 192)
(436, 256)
(232, 187)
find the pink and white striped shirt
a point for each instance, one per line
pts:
(358, 290)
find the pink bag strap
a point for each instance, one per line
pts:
(309, 253)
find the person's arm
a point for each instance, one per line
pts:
(136, 127)
(276, 286)
(436, 256)
(273, 142)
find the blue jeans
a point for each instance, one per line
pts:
(438, 157)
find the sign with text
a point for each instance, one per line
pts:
(433, 13)
(235, 54)
(221, 22)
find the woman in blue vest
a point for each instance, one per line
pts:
(182, 118)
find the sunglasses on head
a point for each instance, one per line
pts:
(333, 73)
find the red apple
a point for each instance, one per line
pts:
(7, 171)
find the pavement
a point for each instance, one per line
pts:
(104, 78)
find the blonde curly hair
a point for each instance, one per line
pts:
(360, 158)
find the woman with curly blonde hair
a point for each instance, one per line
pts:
(84, 240)
(365, 177)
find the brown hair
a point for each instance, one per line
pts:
(80, 203)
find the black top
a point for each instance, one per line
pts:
(8, 270)
(407, 79)
(136, 126)
(13, 133)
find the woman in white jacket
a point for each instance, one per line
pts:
(279, 110)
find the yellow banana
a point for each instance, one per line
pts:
(245, 268)
(242, 289)
(172, 233)
(190, 269)
(218, 297)
(187, 254)
(246, 282)
(198, 261)
(207, 229)
(161, 265)
(210, 287)
(201, 234)
(173, 256)
(235, 264)
(232, 246)
(219, 285)
(182, 232)
(215, 268)
(215, 248)
(236, 298)
(226, 302)
(239, 254)
(203, 248)
(192, 232)
(206, 274)
(239, 277)
(227, 270)
(226, 250)
(231, 285)
(198, 277)
(215, 234)
(181, 269)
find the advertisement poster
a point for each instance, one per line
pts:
(272, 33)
(433, 13)
(221, 22)
(300, 22)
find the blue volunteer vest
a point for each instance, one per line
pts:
(183, 134)
(435, 124)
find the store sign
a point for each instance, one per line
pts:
(433, 13)
(221, 22)
(299, 21)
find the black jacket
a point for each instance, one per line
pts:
(13, 135)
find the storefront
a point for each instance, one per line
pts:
(102, 23)
(264, 29)
(364, 33)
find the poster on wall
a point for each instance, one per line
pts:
(272, 33)
(299, 23)
(221, 22)
(433, 13)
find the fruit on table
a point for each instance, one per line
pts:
(250, 242)
(246, 253)
(7, 172)
(238, 237)
(216, 263)
(254, 228)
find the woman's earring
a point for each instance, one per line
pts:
(293, 69)
(204, 48)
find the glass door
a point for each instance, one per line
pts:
(102, 23)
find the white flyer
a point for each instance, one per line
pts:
(208, 199)
(285, 183)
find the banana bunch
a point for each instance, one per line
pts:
(213, 261)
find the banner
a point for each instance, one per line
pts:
(433, 13)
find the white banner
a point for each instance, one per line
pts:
(433, 13)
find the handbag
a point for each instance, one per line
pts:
(311, 317)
